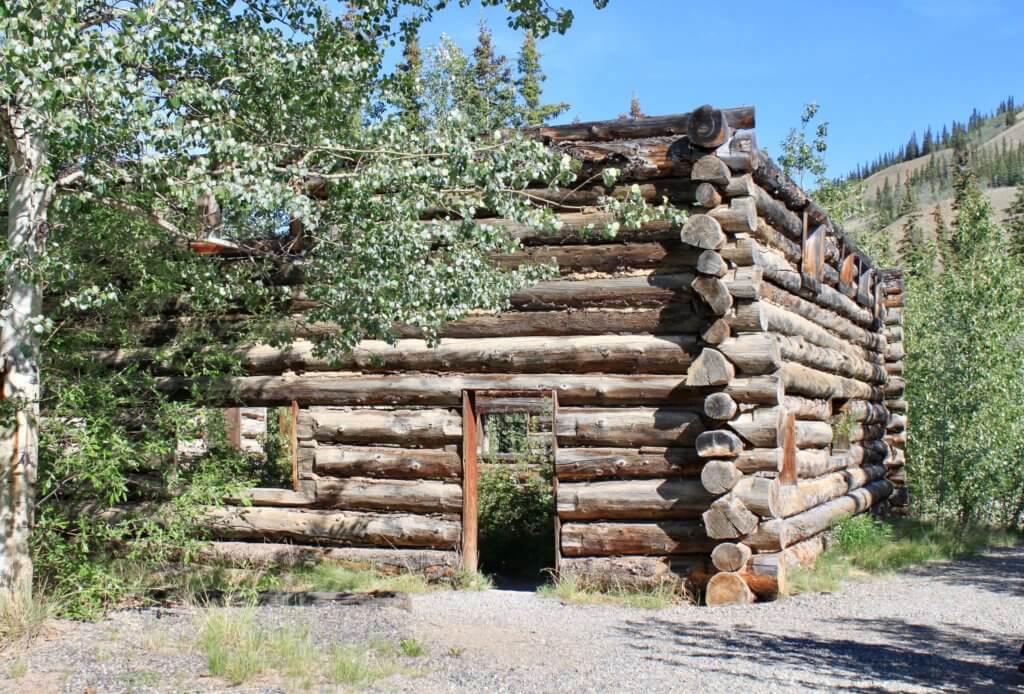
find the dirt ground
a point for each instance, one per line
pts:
(940, 627)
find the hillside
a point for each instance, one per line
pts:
(993, 144)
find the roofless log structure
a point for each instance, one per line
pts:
(722, 392)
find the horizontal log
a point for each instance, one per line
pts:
(678, 318)
(797, 349)
(346, 388)
(632, 291)
(710, 368)
(771, 460)
(680, 191)
(624, 427)
(632, 499)
(664, 256)
(432, 562)
(763, 428)
(628, 129)
(269, 496)
(637, 572)
(753, 354)
(803, 380)
(789, 500)
(428, 428)
(331, 527)
(617, 539)
(580, 464)
(608, 353)
(864, 411)
(777, 534)
(638, 159)
(809, 408)
(384, 462)
(413, 496)
(823, 317)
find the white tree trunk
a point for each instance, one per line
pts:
(19, 350)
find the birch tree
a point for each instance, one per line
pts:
(270, 116)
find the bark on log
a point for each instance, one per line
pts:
(777, 534)
(434, 563)
(331, 527)
(818, 384)
(632, 499)
(618, 292)
(619, 129)
(432, 428)
(665, 256)
(670, 319)
(808, 461)
(823, 317)
(762, 428)
(636, 572)
(799, 350)
(580, 464)
(412, 496)
(662, 426)
(805, 408)
(389, 463)
(756, 353)
(617, 539)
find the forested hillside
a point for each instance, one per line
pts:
(917, 180)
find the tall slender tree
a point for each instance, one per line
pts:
(530, 81)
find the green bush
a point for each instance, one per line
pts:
(516, 521)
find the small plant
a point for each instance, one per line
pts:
(572, 590)
(472, 580)
(455, 651)
(843, 426)
(356, 667)
(23, 614)
(17, 669)
(335, 578)
(412, 648)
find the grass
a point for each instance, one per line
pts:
(17, 669)
(238, 649)
(336, 578)
(571, 590)
(23, 614)
(863, 547)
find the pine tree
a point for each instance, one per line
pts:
(910, 241)
(1015, 222)
(907, 204)
(964, 178)
(634, 107)
(410, 73)
(529, 83)
(493, 100)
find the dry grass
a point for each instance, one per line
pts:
(571, 590)
(23, 615)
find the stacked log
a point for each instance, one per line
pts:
(727, 389)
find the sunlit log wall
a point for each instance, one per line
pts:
(727, 390)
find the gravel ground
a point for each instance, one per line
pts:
(940, 627)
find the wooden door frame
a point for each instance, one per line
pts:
(471, 428)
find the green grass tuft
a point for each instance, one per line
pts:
(23, 614)
(571, 590)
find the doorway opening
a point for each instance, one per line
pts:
(516, 487)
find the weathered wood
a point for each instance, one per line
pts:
(711, 263)
(330, 527)
(864, 411)
(823, 317)
(637, 159)
(676, 124)
(808, 461)
(432, 562)
(740, 186)
(708, 127)
(756, 353)
(652, 538)
(352, 389)
(268, 496)
(740, 215)
(427, 428)
(785, 322)
(384, 462)
(719, 476)
(777, 534)
(761, 390)
(637, 572)
(728, 518)
(714, 293)
(718, 443)
(727, 588)
(730, 556)
(710, 368)
(711, 169)
(610, 353)
(770, 498)
(818, 384)
(707, 196)
(663, 426)
(805, 408)
(665, 256)
(413, 496)
(720, 406)
(580, 464)
(702, 231)
(678, 190)
(469, 537)
(797, 349)
(765, 575)
(636, 290)
(632, 499)
(666, 319)
(762, 427)
(716, 333)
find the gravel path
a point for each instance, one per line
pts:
(941, 627)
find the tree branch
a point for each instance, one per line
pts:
(151, 216)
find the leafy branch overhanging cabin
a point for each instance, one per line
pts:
(717, 395)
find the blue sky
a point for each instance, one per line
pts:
(878, 69)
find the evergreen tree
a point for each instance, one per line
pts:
(907, 204)
(492, 103)
(1015, 222)
(529, 83)
(410, 74)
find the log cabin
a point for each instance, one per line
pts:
(719, 393)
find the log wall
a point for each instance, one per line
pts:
(727, 389)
